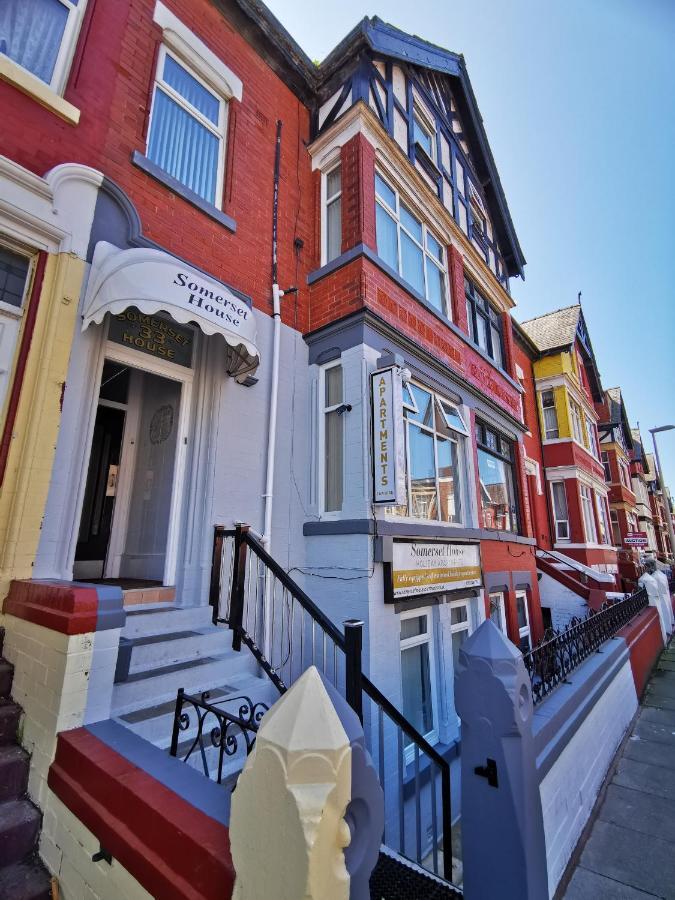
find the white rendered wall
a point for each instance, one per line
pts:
(563, 602)
(570, 788)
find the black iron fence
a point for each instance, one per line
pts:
(286, 632)
(560, 652)
(217, 736)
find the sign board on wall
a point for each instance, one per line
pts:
(154, 335)
(433, 567)
(388, 444)
(636, 539)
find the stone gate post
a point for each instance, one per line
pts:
(504, 851)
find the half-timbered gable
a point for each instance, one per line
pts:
(422, 96)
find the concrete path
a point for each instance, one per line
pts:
(630, 851)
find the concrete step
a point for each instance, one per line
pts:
(6, 676)
(14, 763)
(10, 713)
(155, 723)
(153, 686)
(157, 650)
(19, 830)
(25, 881)
(165, 618)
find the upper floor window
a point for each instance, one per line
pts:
(497, 484)
(40, 36)
(587, 512)
(560, 513)
(577, 427)
(332, 230)
(409, 247)
(603, 522)
(592, 437)
(485, 323)
(187, 129)
(424, 134)
(435, 434)
(551, 429)
(625, 475)
(616, 531)
(606, 466)
(332, 438)
(14, 271)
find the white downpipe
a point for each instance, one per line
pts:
(268, 496)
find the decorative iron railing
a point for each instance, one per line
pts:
(560, 652)
(214, 732)
(286, 632)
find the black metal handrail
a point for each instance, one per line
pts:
(560, 652)
(217, 729)
(287, 632)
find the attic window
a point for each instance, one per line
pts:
(424, 134)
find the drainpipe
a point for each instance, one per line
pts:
(277, 294)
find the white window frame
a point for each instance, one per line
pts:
(326, 201)
(423, 122)
(219, 131)
(31, 258)
(601, 506)
(407, 643)
(64, 57)
(624, 472)
(524, 631)
(577, 427)
(497, 599)
(461, 442)
(549, 433)
(586, 501)
(558, 519)
(592, 437)
(604, 459)
(614, 523)
(427, 256)
(323, 412)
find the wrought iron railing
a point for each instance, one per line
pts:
(286, 632)
(560, 652)
(215, 732)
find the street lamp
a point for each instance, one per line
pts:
(659, 473)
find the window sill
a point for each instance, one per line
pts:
(154, 171)
(33, 87)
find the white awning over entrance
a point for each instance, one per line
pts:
(154, 281)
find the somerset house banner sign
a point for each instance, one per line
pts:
(433, 567)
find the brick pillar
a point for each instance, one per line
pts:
(458, 295)
(358, 193)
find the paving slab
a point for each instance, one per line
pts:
(659, 701)
(630, 857)
(665, 717)
(649, 730)
(667, 665)
(646, 777)
(655, 752)
(645, 813)
(587, 885)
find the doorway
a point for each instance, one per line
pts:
(132, 492)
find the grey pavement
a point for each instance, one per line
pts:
(630, 851)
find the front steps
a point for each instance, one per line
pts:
(166, 648)
(22, 876)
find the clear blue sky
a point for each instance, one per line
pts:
(578, 100)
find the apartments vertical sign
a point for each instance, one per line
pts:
(388, 446)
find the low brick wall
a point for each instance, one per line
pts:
(643, 638)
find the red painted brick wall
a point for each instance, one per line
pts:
(457, 293)
(111, 85)
(358, 193)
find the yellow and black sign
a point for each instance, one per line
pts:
(152, 334)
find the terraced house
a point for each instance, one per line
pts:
(260, 371)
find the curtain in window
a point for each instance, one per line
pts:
(31, 33)
(183, 147)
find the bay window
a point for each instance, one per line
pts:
(406, 245)
(587, 512)
(560, 513)
(460, 628)
(497, 611)
(606, 466)
(332, 438)
(551, 429)
(186, 137)
(40, 36)
(424, 134)
(601, 506)
(332, 186)
(496, 475)
(435, 439)
(484, 322)
(418, 677)
(616, 530)
(592, 437)
(577, 428)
